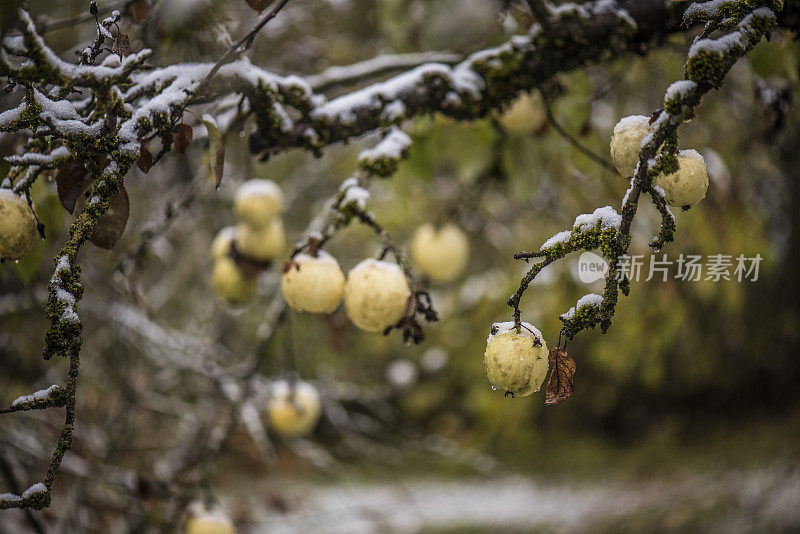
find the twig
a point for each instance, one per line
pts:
(241, 45)
(586, 151)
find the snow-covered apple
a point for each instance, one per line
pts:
(516, 358)
(626, 142)
(293, 409)
(257, 202)
(688, 185)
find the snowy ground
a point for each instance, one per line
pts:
(766, 500)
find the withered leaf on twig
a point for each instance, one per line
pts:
(562, 372)
(216, 149)
(112, 224)
(72, 181)
(182, 136)
(122, 45)
(139, 11)
(259, 5)
(145, 161)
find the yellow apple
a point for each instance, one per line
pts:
(230, 284)
(626, 142)
(17, 226)
(257, 202)
(261, 244)
(440, 253)
(376, 295)
(313, 284)
(221, 245)
(516, 360)
(688, 185)
(293, 410)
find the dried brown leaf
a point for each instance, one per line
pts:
(182, 136)
(259, 5)
(139, 11)
(145, 161)
(122, 44)
(72, 181)
(562, 372)
(112, 224)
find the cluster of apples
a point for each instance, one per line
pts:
(685, 187)
(258, 239)
(375, 293)
(17, 226)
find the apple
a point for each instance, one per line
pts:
(313, 283)
(293, 409)
(221, 245)
(688, 185)
(257, 202)
(440, 253)
(376, 295)
(626, 142)
(17, 226)
(229, 283)
(261, 244)
(516, 359)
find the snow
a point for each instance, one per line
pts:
(394, 110)
(63, 264)
(379, 264)
(592, 9)
(721, 46)
(70, 316)
(9, 116)
(510, 326)
(631, 121)
(656, 125)
(9, 195)
(560, 237)
(33, 158)
(65, 296)
(322, 257)
(258, 187)
(679, 89)
(80, 72)
(350, 182)
(382, 63)
(591, 299)
(606, 216)
(33, 490)
(691, 153)
(708, 9)
(392, 146)
(627, 194)
(282, 389)
(461, 77)
(356, 195)
(40, 395)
